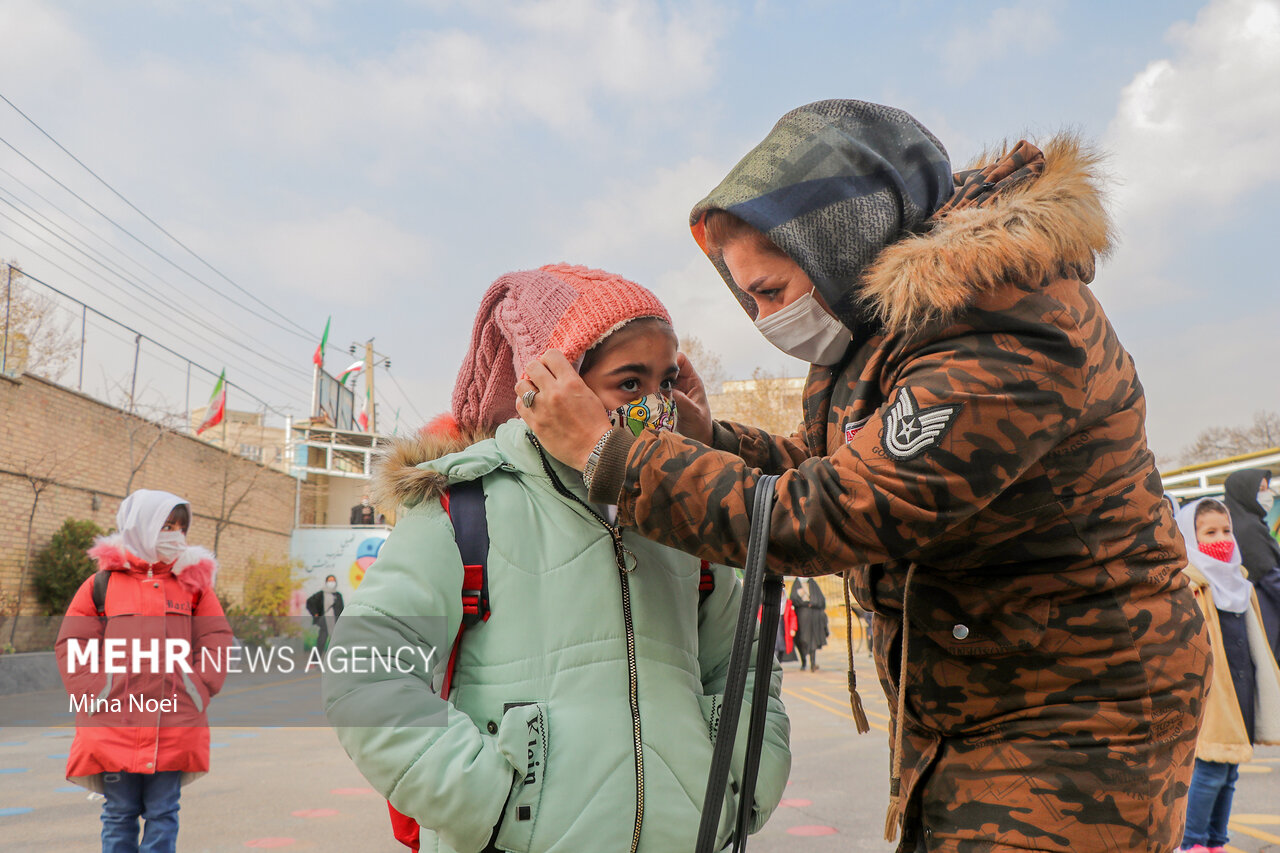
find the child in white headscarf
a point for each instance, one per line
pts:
(1243, 706)
(143, 733)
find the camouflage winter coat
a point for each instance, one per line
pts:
(978, 469)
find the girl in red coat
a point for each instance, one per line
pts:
(141, 729)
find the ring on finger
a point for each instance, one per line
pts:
(527, 397)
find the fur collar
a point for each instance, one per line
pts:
(196, 569)
(398, 481)
(1050, 226)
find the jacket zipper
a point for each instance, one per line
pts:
(620, 558)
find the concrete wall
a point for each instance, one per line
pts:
(85, 456)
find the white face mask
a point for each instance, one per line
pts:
(169, 545)
(804, 330)
(1266, 499)
(331, 585)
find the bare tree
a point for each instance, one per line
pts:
(1219, 442)
(767, 400)
(705, 362)
(35, 332)
(235, 489)
(40, 474)
(146, 427)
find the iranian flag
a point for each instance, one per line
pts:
(355, 368)
(318, 358)
(217, 404)
(363, 418)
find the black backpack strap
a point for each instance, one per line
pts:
(761, 592)
(100, 580)
(471, 531)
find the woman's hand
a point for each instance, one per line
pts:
(566, 415)
(692, 410)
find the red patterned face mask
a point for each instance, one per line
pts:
(1220, 550)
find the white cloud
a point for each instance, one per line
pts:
(1024, 28)
(345, 258)
(1194, 133)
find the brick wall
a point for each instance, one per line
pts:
(87, 452)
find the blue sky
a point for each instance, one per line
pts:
(382, 163)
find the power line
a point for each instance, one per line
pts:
(110, 266)
(152, 249)
(152, 340)
(406, 397)
(250, 370)
(157, 225)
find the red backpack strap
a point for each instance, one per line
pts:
(706, 582)
(405, 828)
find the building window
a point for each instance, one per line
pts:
(251, 451)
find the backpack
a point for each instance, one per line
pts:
(464, 504)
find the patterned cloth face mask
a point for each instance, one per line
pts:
(653, 411)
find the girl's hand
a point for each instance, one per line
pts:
(692, 409)
(566, 416)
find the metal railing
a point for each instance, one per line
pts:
(1199, 481)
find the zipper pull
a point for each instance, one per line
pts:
(148, 572)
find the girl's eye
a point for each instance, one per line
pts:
(630, 385)
(668, 385)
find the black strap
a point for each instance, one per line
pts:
(471, 531)
(100, 580)
(753, 588)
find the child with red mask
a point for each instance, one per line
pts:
(1243, 706)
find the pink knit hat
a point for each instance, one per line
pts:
(524, 314)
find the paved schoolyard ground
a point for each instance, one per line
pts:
(292, 787)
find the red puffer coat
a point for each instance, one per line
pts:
(144, 719)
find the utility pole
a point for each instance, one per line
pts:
(368, 386)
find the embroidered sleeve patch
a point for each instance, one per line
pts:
(910, 430)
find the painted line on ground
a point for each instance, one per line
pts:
(837, 702)
(829, 709)
(1254, 833)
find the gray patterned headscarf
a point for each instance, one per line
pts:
(833, 184)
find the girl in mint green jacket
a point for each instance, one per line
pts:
(582, 713)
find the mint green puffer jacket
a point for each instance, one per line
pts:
(538, 737)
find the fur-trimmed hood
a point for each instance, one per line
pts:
(196, 569)
(397, 478)
(1035, 227)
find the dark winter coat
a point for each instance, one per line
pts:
(811, 630)
(1259, 551)
(978, 467)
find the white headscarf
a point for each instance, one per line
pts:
(1232, 591)
(139, 519)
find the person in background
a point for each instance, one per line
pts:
(363, 512)
(784, 647)
(1248, 498)
(325, 606)
(157, 588)
(811, 616)
(1243, 705)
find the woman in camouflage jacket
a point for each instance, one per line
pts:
(973, 460)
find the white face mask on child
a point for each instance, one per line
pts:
(169, 545)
